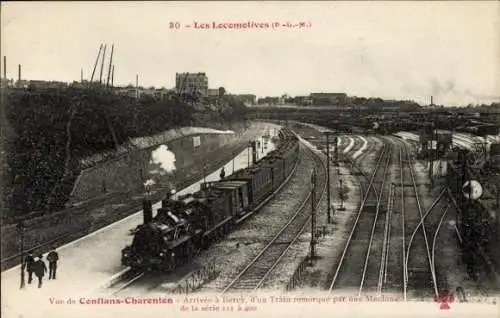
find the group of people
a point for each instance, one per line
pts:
(36, 265)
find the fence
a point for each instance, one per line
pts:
(197, 279)
(298, 274)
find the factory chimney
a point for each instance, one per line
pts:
(432, 103)
(19, 73)
(5, 67)
(136, 86)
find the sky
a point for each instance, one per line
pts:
(394, 50)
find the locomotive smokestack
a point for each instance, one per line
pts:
(147, 208)
(254, 151)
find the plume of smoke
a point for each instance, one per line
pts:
(149, 183)
(164, 158)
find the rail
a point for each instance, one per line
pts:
(405, 269)
(120, 282)
(445, 209)
(422, 220)
(386, 242)
(377, 211)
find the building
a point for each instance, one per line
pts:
(303, 100)
(35, 84)
(213, 92)
(247, 99)
(22, 84)
(191, 83)
(138, 92)
(268, 100)
(328, 98)
(7, 82)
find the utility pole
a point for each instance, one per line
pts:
(102, 64)
(5, 68)
(341, 192)
(204, 172)
(432, 154)
(313, 214)
(248, 155)
(95, 64)
(110, 63)
(234, 156)
(336, 142)
(20, 230)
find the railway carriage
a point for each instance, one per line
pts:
(259, 179)
(238, 191)
(276, 165)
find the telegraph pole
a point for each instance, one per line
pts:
(313, 214)
(336, 142)
(341, 192)
(234, 156)
(20, 229)
(328, 176)
(248, 154)
(204, 172)
(431, 160)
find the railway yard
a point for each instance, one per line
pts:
(389, 234)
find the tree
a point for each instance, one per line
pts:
(222, 91)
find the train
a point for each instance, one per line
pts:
(185, 225)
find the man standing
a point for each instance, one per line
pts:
(28, 265)
(52, 257)
(40, 269)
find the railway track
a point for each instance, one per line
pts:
(416, 273)
(363, 179)
(122, 281)
(355, 274)
(256, 272)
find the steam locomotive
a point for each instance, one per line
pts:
(182, 227)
